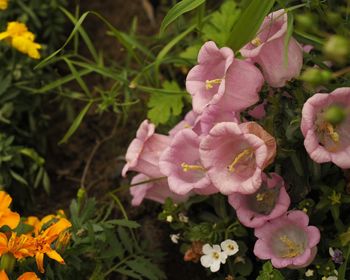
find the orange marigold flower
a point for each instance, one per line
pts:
(3, 275)
(28, 276)
(24, 276)
(44, 240)
(7, 217)
(19, 246)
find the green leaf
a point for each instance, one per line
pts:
(221, 22)
(76, 123)
(268, 272)
(163, 106)
(130, 273)
(248, 23)
(124, 223)
(147, 269)
(179, 9)
(18, 177)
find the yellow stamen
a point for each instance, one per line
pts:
(332, 133)
(260, 196)
(293, 249)
(242, 155)
(187, 167)
(210, 83)
(256, 42)
(216, 255)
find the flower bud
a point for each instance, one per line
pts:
(337, 48)
(334, 114)
(7, 262)
(316, 76)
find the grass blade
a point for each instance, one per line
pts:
(248, 23)
(179, 9)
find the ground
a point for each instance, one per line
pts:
(94, 156)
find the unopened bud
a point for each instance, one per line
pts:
(337, 48)
(7, 262)
(335, 114)
(316, 76)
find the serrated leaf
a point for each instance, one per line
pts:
(221, 23)
(125, 239)
(163, 106)
(177, 10)
(128, 272)
(146, 268)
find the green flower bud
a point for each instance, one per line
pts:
(306, 21)
(316, 76)
(334, 114)
(337, 48)
(7, 262)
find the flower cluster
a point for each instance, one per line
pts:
(213, 257)
(215, 150)
(20, 38)
(45, 237)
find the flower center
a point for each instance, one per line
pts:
(231, 247)
(264, 200)
(256, 42)
(328, 129)
(242, 156)
(215, 255)
(188, 167)
(209, 84)
(292, 249)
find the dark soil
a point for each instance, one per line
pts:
(94, 156)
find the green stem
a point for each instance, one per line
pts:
(342, 269)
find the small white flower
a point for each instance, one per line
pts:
(175, 238)
(331, 251)
(309, 273)
(230, 247)
(332, 278)
(213, 257)
(183, 218)
(169, 218)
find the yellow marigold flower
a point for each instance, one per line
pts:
(28, 276)
(18, 35)
(43, 243)
(7, 217)
(3, 6)
(19, 246)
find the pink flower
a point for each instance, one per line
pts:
(258, 112)
(287, 240)
(181, 163)
(144, 151)
(153, 190)
(234, 158)
(187, 122)
(267, 50)
(212, 115)
(268, 202)
(325, 125)
(243, 83)
(206, 80)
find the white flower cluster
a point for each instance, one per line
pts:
(214, 256)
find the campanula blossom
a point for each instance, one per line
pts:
(288, 241)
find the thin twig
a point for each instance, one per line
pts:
(93, 152)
